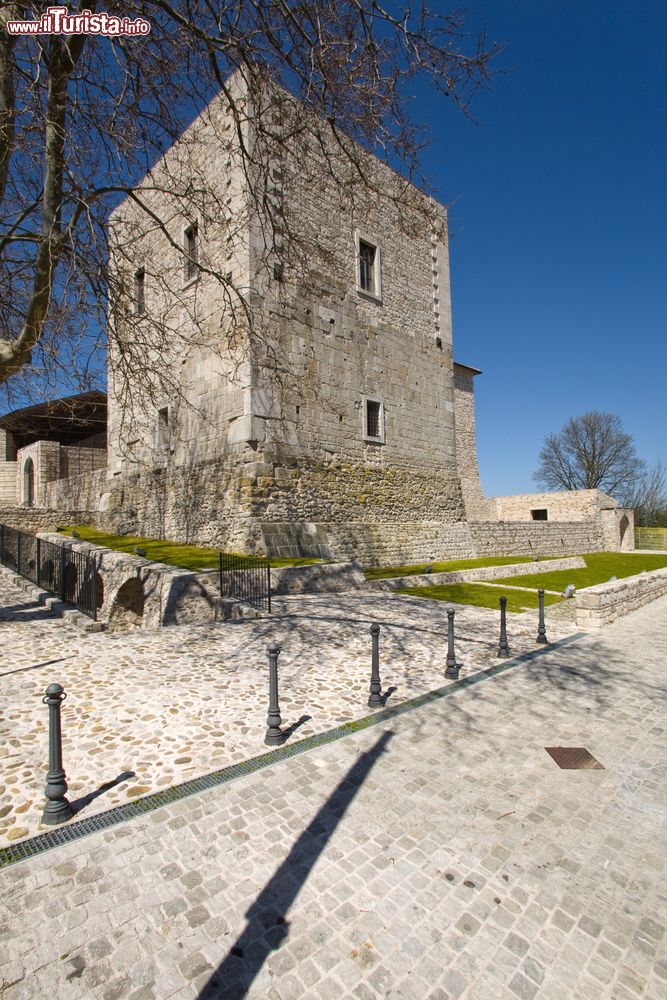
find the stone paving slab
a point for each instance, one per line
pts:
(149, 709)
(442, 856)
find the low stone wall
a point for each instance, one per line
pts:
(505, 538)
(328, 578)
(139, 593)
(34, 519)
(474, 575)
(600, 605)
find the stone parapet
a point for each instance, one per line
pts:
(474, 575)
(603, 604)
(326, 578)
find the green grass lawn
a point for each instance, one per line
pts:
(480, 596)
(599, 567)
(385, 572)
(192, 557)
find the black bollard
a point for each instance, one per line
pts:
(375, 698)
(503, 647)
(58, 807)
(541, 628)
(274, 734)
(452, 666)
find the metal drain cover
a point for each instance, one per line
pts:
(574, 758)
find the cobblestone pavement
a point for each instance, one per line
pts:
(443, 855)
(157, 708)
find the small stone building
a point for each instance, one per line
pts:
(48, 442)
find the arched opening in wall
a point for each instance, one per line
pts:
(47, 575)
(99, 591)
(623, 526)
(29, 483)
(69, 582)
(127, 610)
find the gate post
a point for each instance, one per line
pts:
(93, 568)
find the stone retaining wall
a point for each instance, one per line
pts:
(319, 579)
(383, 544)
(600, 605)
(540, 537)
(474, 575)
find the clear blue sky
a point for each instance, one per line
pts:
(558, 219)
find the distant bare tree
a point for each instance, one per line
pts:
(648, 497)
(83, 118)
(591, 452)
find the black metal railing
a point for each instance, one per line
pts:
(71, 575)
(246, 579)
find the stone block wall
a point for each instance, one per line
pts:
(399, 542)
(187, 321)
(45, 458)
(565, 505)
(618, 529)
(537, 537)
(32, 520)
(8, 474)
(138, 593)
(328, 578)
(477, 506)
(84, 493)
(601, 605)
(77, 461)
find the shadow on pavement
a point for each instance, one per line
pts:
(292, 728)
(35, 666)
(267, 925)
(79, 804)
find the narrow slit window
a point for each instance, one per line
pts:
(367, 267)
(191, 247)
(139, 294)
(162, 428)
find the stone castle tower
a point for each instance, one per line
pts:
(329, 427)
(308, 402)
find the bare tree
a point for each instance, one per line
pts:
(82, 118)
(648, 497)
(590, 452)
